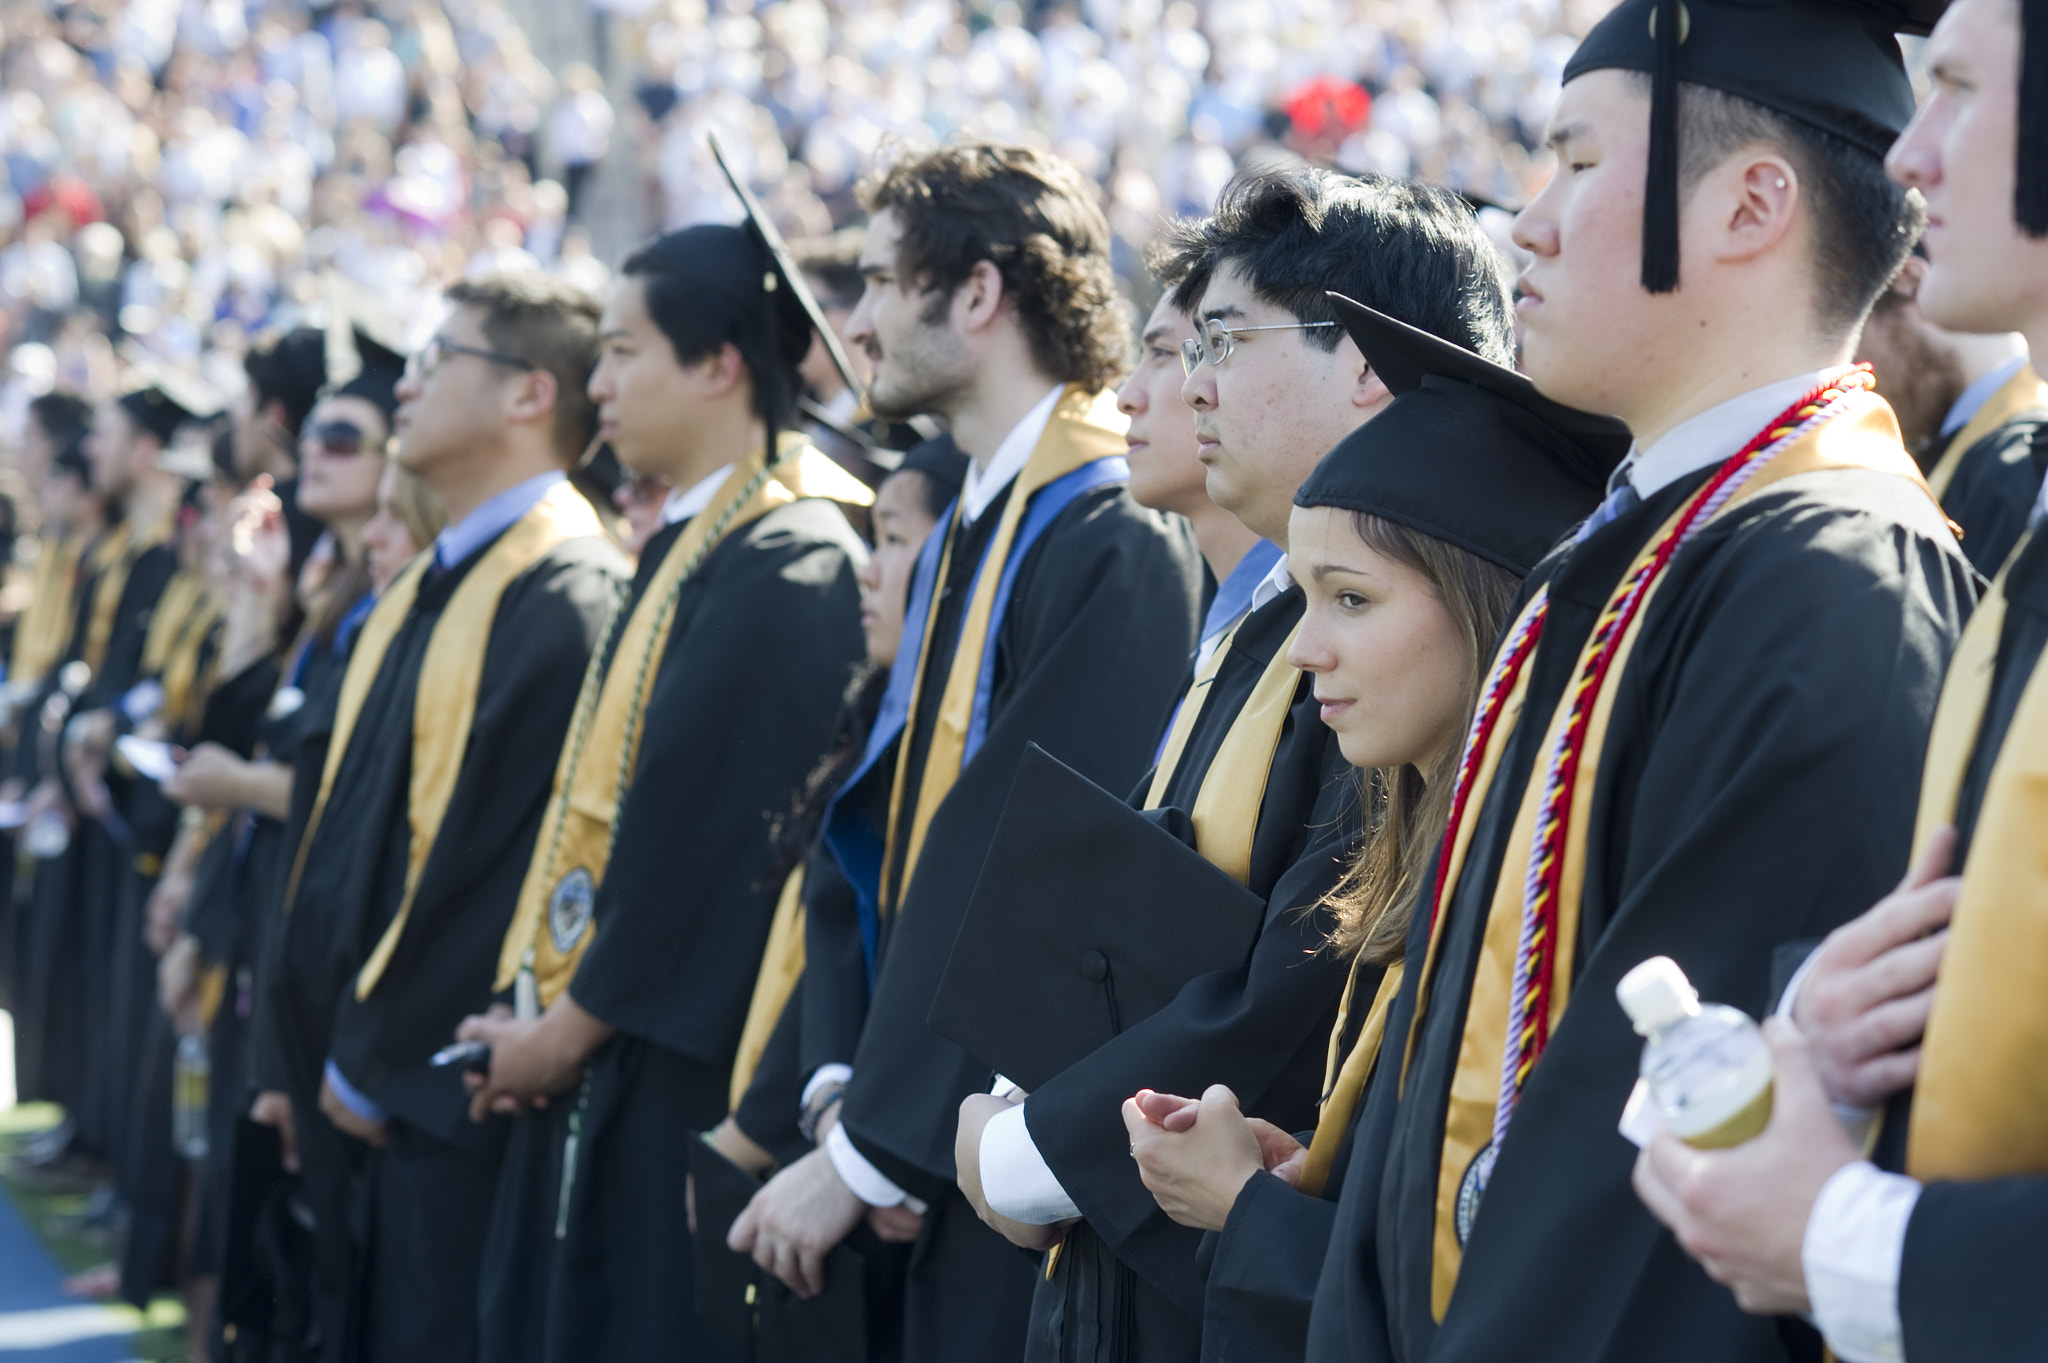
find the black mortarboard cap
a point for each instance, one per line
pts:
(1088, 918)
(938, 459)
(167, 401)
(376, 381)
(752, 1308)
(1832, 64)
(1468, 452)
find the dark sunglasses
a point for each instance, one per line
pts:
(341, 437)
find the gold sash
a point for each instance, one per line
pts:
(782, 965)
(1083, 427)
(2023, 392)
(44, 630)
(186, 687)
(584, 806)
(181, 594)
(1343, 1087)
(1865, 435)
(446, 699)
(1980, 1104)
(109, 562)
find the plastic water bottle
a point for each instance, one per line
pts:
(1707, 1066)
(191, 1073)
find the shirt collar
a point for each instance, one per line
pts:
(1272, 585)
(984, 485)
(1241, 588)
(1977, 394)
(680, 506)
(492, 517)
(1708, 438)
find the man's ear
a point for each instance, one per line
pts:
(979, 297)
(1756, 197)
(533, 397)
(723, 371)
(1369, 392)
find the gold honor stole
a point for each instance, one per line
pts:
(2023, 392)
(583, 809)
(445, 700)
(1083, 428)
(1862, 435)
(111, 559)
(1980, 1104)
(45, 626)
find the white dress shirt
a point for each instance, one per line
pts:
(1712, 436)
(977, 493)
(682, 505)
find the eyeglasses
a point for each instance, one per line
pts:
(1214, 341)
(438, 348)
(340, 437)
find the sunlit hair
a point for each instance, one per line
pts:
(1411, 805)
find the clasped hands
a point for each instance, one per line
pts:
(1861, 1012)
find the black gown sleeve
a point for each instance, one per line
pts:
(1994, 489)
(1100, 625)
(1970, 1279)
(835, 982)
(1263, 1267)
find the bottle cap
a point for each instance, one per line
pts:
(1656, 994)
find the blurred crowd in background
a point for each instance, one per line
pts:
(181, 176)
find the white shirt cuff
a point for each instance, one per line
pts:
(1015, 1179)
(1854, 1241)
(868, 1183)
(834, 1073)
(1859, 1123)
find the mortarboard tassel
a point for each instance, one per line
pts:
(1660, 189)
(2030, 186)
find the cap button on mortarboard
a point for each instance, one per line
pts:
(1094, 967)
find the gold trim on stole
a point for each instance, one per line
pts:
(554, 917)
(782, 965)
(1980, 1103)
(1865, 436)
(1342, 1087)
(44, 630)
(1083, 428)
(2023, 392)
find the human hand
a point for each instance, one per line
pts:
(347, 1122)
(209, 777)
(896, 1225)
(1169, 1111)
(1742, 1212)
(165, 912)
(256, 551)
(274, 1109)
(976, 1111)
(1864, 1004)
(795, 1221)
(177, 983)
(1196, 1173)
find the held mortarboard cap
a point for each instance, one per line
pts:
(1832, 64)
(164, 399)
(365, 353)
(1468, 452)
(376, 381)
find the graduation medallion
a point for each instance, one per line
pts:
(1470, 1189)
(569, 909)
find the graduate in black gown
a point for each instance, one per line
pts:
(1496, 474)
(1247, 758)
(460, 685)
(1049, 608)
(1781, 594)
(641, 932)
(1971, 408)
(1925, 1013)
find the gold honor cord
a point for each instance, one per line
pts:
(1864, 436)
(45, 626)
(561, 515)
(581, 822)
(1980, 1103)
(1083, 428)
(2023, 392)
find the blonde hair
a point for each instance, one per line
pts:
(416, 504)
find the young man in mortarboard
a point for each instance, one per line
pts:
(648, 904)
(1273, 383)
(1972, 410)
(451, 712)
(1928, 1006)
(1723, 685)
(1048, 608)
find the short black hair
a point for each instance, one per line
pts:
(1410, 250)
(1864, 223)
(833, 263)
(290, 369)
(63, 417)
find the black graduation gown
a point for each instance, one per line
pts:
(412, 1293)
(1756, 785)
(1127, 1285)
(1095, 641)
(1968, 1281)
(1994, 487)
(745, 704)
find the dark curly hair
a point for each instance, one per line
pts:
(1032, 216)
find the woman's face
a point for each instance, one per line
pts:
(901, 526)
(1392, 668)
(341, 457)
(386, 542)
